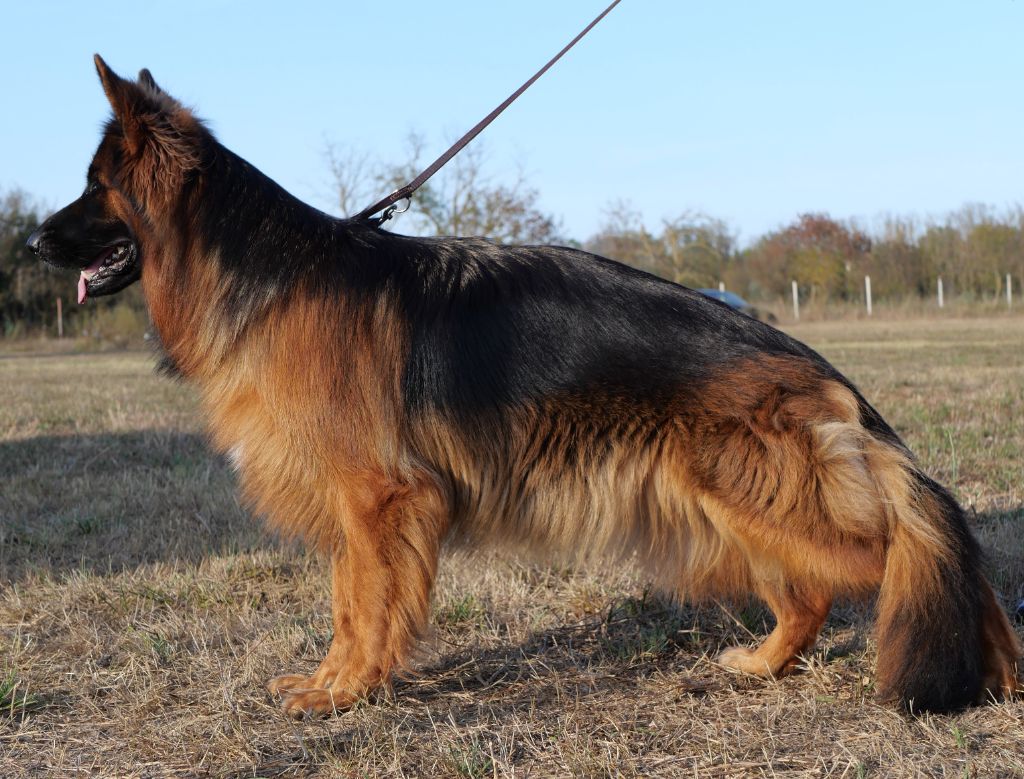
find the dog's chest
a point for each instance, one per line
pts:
(264, 443)
(236, 456)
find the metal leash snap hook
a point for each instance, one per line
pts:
(391, 210)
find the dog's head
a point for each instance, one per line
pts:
(151, 148)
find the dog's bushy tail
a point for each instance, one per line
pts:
(943, 640)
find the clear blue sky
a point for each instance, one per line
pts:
(750, 111)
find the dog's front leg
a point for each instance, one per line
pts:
(381, 588)
(340, 608)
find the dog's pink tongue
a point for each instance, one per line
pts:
(86, 274)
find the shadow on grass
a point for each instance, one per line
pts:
(458, 702)
(634, 640)
(643, 649)
(103, 502)
(614, 670)
(642, 655)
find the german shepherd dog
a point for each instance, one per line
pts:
(380, 393)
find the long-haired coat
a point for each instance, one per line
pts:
(379, 393)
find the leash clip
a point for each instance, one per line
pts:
(393, 209)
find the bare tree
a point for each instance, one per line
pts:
(697, 249)
(623, 237)
(692, 249)
(355, 183)
(461, 199)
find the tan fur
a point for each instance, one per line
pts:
(761, 479)
(789, 498)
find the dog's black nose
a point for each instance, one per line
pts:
(35, 240)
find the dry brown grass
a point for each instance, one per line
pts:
(141, 610)
(902, 309)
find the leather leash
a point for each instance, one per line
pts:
(387, 204)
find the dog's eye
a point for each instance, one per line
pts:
(91, 187)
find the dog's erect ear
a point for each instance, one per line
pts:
(124, 96)
(146, 79)
(134, 107)
(149, 116)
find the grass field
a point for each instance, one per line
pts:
(141, 609)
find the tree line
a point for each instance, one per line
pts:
(972, 249)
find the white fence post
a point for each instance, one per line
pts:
(721, 286)
(867, 292)
(796, 302)
(1009, 290)
(941, 303)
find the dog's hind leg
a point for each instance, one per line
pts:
(799, 616)
(789, 481)
(383, 579)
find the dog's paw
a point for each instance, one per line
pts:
(281, 684)
(305, 703)
(746, 660)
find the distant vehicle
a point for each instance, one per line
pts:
(733, 300)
